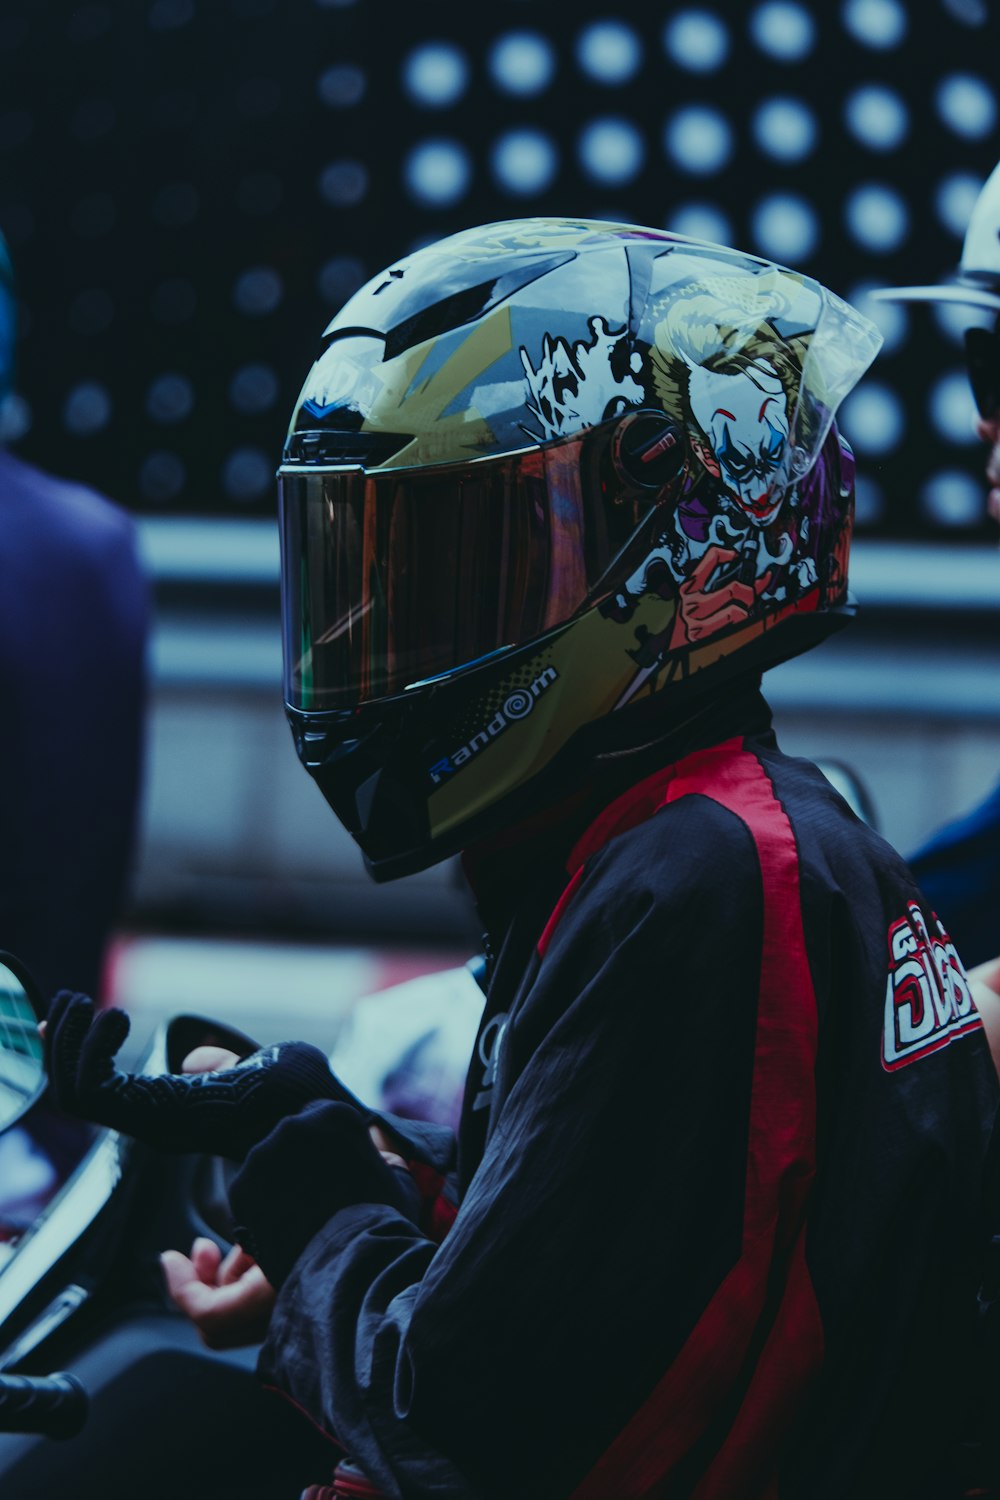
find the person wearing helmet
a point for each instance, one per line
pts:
(553, 496)
(958, 868)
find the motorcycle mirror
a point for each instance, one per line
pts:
(22, 1066)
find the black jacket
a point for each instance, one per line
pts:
(718, 1175)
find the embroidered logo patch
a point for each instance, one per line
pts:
(928, 1002)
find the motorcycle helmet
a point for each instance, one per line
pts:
(976, 286)
(546, 478)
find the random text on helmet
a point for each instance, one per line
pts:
(518, 705)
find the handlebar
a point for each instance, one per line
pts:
(55, 1405)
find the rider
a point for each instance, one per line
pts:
(554, 495)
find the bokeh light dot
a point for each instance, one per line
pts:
(967, 105)
(343, 184)
(698, 139)
(248, 474)
(612, 151)
(342, 86)
(253, 389)
(522, 63)
(696, 41)
(87, 409)
(170, 399)
(785, 129)
(785, 31)
(785, 227)
(969, 12)
(953, 498)
(701, 221)
(873, 419)
(877, 117)
(609, 52)
(15, 418)
(877, 217)
(953, 318)
(524, 161)
(162, 476)
(954, 198)
(879, 24)
(952, 409)
(340, 277)
(438, 173)
(436, 75)
(258, 291)
(869, 501)
(168, 15)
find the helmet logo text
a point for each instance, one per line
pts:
(518, 705)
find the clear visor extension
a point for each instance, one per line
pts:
(393, 578)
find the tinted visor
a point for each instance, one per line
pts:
(391, 578)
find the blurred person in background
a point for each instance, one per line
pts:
(554, 495)
(74, 620)
(958, 868)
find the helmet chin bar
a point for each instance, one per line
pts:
(371, 763)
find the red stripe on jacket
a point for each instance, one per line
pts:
(781, 1159)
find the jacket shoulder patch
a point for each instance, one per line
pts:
(928, 1002)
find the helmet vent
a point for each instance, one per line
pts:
(468, 304)
(327, 446)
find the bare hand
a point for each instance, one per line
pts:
(228, 1300)
(209, 1060)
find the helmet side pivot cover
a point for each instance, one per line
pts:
(547, 479)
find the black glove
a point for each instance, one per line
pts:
(225, 1113)
(311, 1165)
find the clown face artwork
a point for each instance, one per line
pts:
(741, 434)
(735, 542)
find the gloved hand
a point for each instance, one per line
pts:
(311, 1165)
(224, 1113)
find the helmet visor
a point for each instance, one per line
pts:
(392, 578)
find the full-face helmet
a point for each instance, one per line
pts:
(546, 478)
